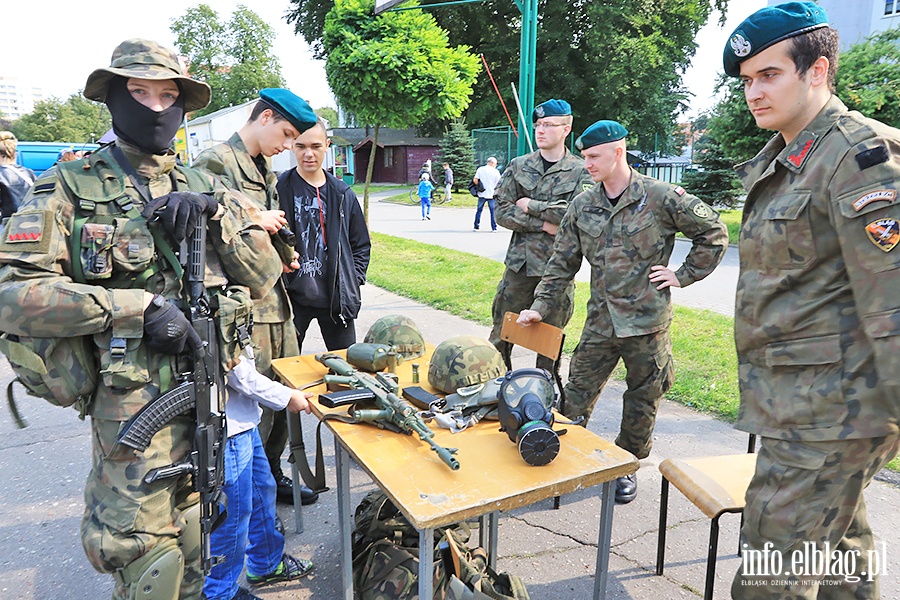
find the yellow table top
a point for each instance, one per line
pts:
(492, 476)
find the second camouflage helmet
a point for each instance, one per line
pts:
(462, 361)
(397, 331)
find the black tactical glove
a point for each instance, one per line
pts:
(179, 212)
(167, 329)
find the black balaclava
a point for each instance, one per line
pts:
(138, 125)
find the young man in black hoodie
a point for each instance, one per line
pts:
(332, 240)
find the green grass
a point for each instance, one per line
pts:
(732, 220)
(464, 285)
(461, 199)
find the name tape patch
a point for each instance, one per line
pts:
(876, 196)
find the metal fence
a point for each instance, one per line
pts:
(499, 142)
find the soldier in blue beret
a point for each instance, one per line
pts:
(625, 227)
(818, 300)
(531, 199)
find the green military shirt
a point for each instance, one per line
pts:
(236, 168)
(37, 265)
(550, 194)
(817, 317)
(621, 243)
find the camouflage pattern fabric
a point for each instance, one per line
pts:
(817, 311)
(816, 321)
(38, 273)
(462, 361)
(621, 243)
(515, 293)
(649, 375)
(126, 518)
(811, 493)
(530, 247)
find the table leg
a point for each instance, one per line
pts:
(426, 563)
(297, 482)
(493, 535)
(607, 502)
(342, 460)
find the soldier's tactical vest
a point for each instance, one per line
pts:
(111, 245)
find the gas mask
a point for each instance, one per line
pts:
(525, 400)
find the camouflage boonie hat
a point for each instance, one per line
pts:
(397, 331)
(462, 361)
(145, 59)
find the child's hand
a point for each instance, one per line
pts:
(300, 402)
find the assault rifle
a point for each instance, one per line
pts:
(206, 462)
(391, 407)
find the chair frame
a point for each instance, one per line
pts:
(713, 533)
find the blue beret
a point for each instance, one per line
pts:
(768, 26)
(551, 108)
(291, 106)
(600, 132)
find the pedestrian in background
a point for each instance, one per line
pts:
(448, 182)
(488, 176)
(425, 190)
(15, 180)
(818, 303)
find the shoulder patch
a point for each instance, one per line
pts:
(679, 190)
(876, 196)
(44, 187)
(27, 231)
(701, 210)
(884, 233)
(586, 186)
(871, 157)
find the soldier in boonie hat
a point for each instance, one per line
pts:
(146, 59)
(769, 26)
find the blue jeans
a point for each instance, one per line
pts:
(426, 205)
(490, 203)
(249, 528)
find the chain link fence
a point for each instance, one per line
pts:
(499, 142)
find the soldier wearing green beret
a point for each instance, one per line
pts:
(276, 119)
(531, 200)
(79, 259)
(817, 317)
(625, 227)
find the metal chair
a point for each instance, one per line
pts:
(714, 484)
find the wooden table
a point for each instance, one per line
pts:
(492, 476)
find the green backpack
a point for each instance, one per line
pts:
(386, 559)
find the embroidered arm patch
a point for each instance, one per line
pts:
(28, 231)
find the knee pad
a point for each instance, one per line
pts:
(156, 575)
(189, 540)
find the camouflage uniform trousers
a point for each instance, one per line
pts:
(124, 517)
(515, 293)
(812, 493)
(649, 375)
(273, 340)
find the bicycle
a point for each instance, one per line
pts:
(437, 195)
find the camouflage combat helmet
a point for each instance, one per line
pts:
(463, 361)
(145, 59)
(397, 331)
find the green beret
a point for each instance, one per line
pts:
(768, 26)
(291, 106)
(551, 108)
(601, 132)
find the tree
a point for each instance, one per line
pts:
(627, 54)
(869, 77)
(396, 69)
(75, 120)
(329, 114)
(235, 57)
(458, 150)
(714, 182)
(731, 125)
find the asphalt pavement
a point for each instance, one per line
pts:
(43, 469)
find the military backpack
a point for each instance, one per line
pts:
(386, 559)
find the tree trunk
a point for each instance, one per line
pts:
(369, 169)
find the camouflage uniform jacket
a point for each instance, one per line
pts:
(37, 281)
(621, 243)
(231, 163)
(817, 319)
(550, 193)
